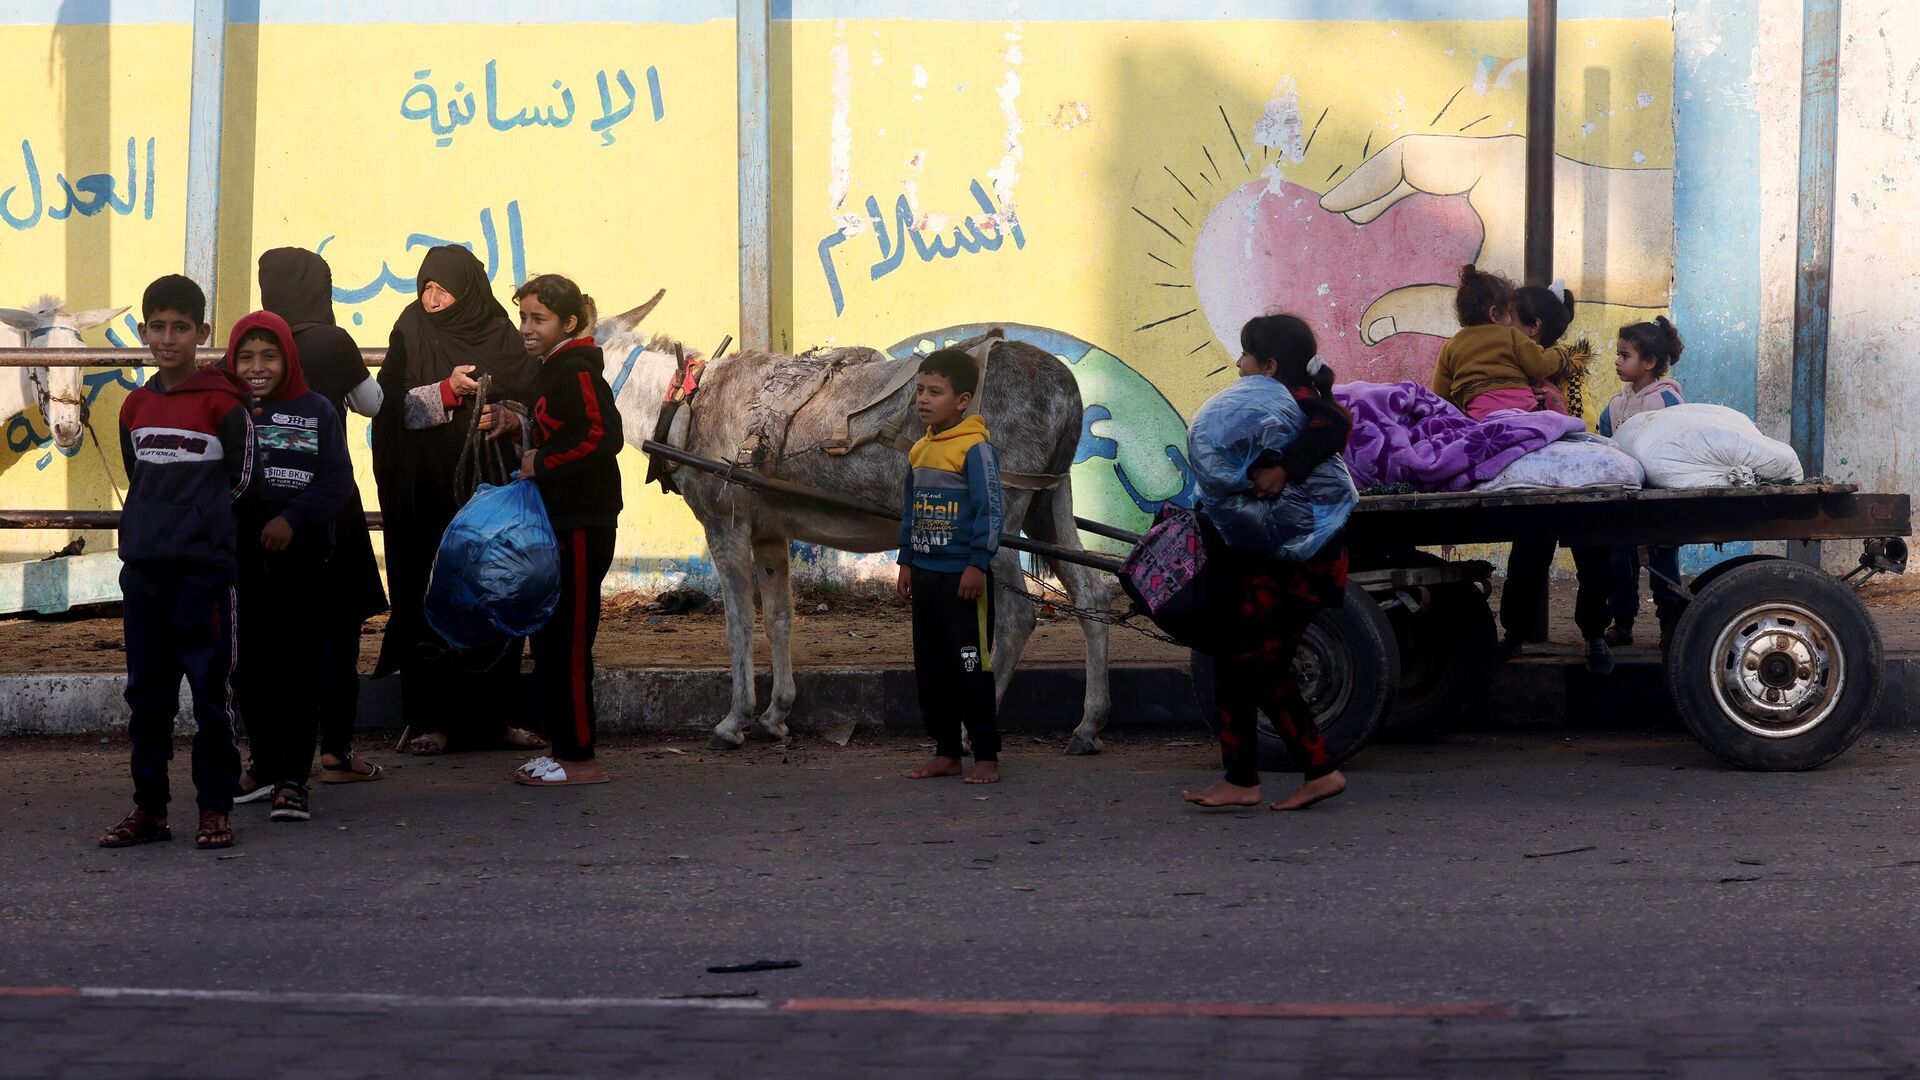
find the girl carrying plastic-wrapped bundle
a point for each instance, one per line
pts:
(1274, 488)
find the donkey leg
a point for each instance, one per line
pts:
(775, 579)
(1090, 593)
(1013, 618)
(733, 561)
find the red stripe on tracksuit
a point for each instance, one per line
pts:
(577, 666)
(595, 429)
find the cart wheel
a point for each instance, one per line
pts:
(1775, 666)
(1349, 668)
(1446, 654)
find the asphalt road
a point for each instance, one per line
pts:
(1596, 895)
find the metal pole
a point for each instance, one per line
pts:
(203, 144)
(1813, 282)
(1542, 26)
(753, 29)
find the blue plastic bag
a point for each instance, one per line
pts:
(1230, 432)
(497, 574)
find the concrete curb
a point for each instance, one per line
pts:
(689, 703)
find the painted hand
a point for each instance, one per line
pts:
(277, 535)
(1268, 482)
(904, 585)
(973, 581)
(462, 381)
(1613, 228)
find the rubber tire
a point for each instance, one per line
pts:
(1447, 652)
(1690, 664)
(1367, 637)
(1720, 569)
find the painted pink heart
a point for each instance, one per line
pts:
(1264, 250)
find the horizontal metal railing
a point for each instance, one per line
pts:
(92, 357)
(91, 519)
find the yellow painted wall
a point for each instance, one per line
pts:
(1082, 130)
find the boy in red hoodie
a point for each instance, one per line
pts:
(286, 532)
(187, 443)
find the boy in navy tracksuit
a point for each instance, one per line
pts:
(187, 444)
(949, 530)
(286, 526)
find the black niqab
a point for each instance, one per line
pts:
(297, 285)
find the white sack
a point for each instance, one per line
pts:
(1575, 461)
(1702, 446)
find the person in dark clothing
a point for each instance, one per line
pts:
(1543, 315)
(187, 443)
(442, 345)
(1266, 603)
(573, 454)
(950, 525)
(297, 285)
(285, 536)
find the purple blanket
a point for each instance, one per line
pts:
(1404, 433)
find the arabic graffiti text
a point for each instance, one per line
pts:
(968, 236)
(387, 280)
(88, 196)
(447, 114)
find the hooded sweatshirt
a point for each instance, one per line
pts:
(1492, 357)
(576, 438)
(1629, 403)
(188, 452)
(297, 285)
(301, 471)
(951, 516)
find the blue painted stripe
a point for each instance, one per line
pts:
(512, 12)
(1716, 202)
(1716, 212)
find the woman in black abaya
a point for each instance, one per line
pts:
(455, 333)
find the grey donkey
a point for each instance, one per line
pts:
(1031, 405)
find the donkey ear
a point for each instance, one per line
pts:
(627, 320)
(19, 320)
(87, 320)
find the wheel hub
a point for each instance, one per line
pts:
(1324, 667)
(1780, 671)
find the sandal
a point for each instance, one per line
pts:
(431, 744)
(216, 831)
(138, 827)
(260, 790)
(290, 803)
(349, 773)
(546, 772)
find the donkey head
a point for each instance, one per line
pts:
(62, 394)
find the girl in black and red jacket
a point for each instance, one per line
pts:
(573, 452)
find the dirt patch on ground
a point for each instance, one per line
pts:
(839, 629)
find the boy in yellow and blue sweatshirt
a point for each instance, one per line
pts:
(950, 524)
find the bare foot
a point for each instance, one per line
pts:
(1224, 794)
(939, 766)
(984, 772)
(1313, 791)
(589, 771)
